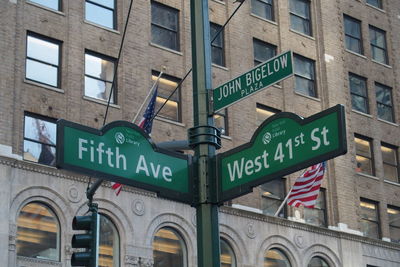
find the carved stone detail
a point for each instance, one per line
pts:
(250, 231)
(146, 262)
(138, 207)
(132, 261)
(299, 241)
(74, 194)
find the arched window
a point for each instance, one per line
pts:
(318, 262)
(276, 258)
(227, 255)
(169, 249)
(38, 232)
(108, 243)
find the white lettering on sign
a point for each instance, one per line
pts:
(113, 158)
(230, 88)
(250, 166)
(142, 166)
(317, 140)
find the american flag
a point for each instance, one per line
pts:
(146, 123)
(306, 188)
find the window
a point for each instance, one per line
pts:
(262, 51)
(390, 163)
(352, 32)
(275, 257)
(167, 84)
(264, 112)
(99, 75)
(272, 196)
(317, 215)
(164, 26)
(40, 139)
(359, 94)
(375, 3)
(53, 4)
(169, 249)
(217, 46)
(394, 223)
(304, 72)
(300, 18)
(227, 254)
(384, 102)
(108, 243)
(369, 218)
(38, 232)
(263, 9)
(101, 12)
(364, 157)
(318, 262)
(221, 121)
(378, 45)
(43, 60)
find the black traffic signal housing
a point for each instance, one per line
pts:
(89, 241)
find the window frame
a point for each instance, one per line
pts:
(379, 4)
(43, 118)
(223, 113)
(114, 98)
(214, 45)
(351, 37)
(155, 4)
(375, 46)
(161, 97)
(229, 246)
(59, 3)
(115, 257)
(58, 232)
(181, 241)
(280, 199)
(313, 79)
(376, 222)
(58, 67)
(268, 6)
(391, 225)
(371, 151)
(378, 103)
(302, 18)
(113, 10)
(318, 210)
(397, 161)
(265, 108)
(355, 94)
(260, 43)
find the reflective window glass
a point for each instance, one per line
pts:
(43, 60)
(263, 8)
(375, 3)
(217, 46)
(38, 232)
(384, 102)
(390, 163)
(369, 221)
(169, 249)
(221, 121)
(394, 223)
(364, 157)
(318, 262)
(227, 255)
(317, 215)
(263, 112)
(378, 44)
(164, 26)
(273, 194)
(359, 94)
(99, 74)
(352, 30)
(276, 258)
(53, 4)
(262, 51)
(304, 72)
(40, 139)
(108, 243)
(300, 19)
(101, 12)
(166, 86)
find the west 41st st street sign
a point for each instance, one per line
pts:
(122, 152)
(283, 144)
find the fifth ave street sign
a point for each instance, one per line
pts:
(121, 152)
(263, 75)
(283, 144)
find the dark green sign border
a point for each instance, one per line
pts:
(161, 191)
(248, 187)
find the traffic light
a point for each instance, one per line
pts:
(89, 241)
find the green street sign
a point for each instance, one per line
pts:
(283, 144)
(263, 75)
(121, 152)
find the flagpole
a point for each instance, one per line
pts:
(283, 203)
(147, 97)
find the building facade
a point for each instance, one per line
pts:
(60, 59)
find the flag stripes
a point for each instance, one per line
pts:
(306, 188)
